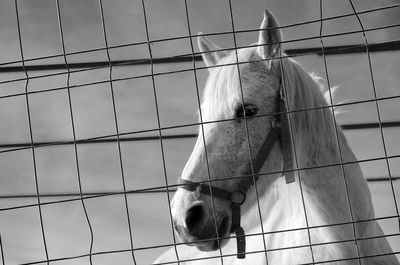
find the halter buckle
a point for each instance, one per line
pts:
(238, 197)
(276, 124)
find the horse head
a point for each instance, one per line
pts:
(240, 96)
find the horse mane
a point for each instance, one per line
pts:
(308, 103)
(223, 84)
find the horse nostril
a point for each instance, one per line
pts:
(196, 218)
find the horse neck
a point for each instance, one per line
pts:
(325, 191)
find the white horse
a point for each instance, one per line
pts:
(314, 219)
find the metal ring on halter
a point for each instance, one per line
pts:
(238, 197)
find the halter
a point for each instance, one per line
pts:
(280, 130)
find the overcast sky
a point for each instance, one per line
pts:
(65, 227)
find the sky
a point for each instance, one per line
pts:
(65, 226)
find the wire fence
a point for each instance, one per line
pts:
(28, 70)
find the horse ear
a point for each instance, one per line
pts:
(210, 52)
(270, 38)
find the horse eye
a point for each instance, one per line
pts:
(246, 110)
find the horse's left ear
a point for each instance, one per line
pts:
(210, 52)
(270, 38)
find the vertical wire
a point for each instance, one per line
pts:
(337, 135)
(117, 130)
(284, 90)
(73, 131)
(377, 109)
(247, 133)
(159, 126)
(31, 131)
(202, 128)
(2, 251)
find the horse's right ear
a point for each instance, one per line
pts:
(270, 38)
(210, 52)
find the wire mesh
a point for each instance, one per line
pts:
(112, 144)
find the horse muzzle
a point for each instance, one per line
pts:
(197, 227)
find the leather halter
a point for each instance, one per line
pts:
(280, 130)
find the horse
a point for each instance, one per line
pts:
(324, 214)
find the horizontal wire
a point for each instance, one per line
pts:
(101, 64)
(103, 141)
(151, 75)
(293, 247)
(96, 193)
(106, 137)
(205, 34)
(22, 146)
(393, 45)
(354, 126)
(154, 189)
(232, 237)
(332, 50)
(95, 65)
(262, 251)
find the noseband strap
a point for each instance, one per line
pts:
(280, 130)
(236, 198)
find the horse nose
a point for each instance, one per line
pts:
(196, 219)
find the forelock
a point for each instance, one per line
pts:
(223, 86)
